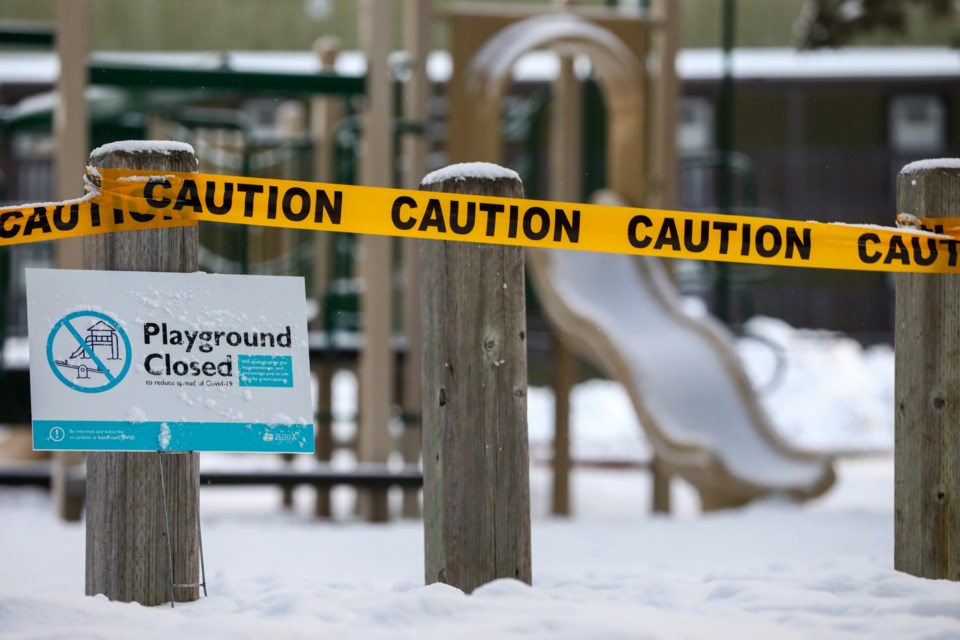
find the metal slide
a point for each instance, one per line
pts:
(690, 391)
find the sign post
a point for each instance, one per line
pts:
(126, 556)
(127, 363)
(144, 368)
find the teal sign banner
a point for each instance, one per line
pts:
(83, 435)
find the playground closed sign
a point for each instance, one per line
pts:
(130, 361)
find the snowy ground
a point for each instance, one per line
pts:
(822, 569)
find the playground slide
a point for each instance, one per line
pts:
(690, 391)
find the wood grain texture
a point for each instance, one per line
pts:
(126, 550)
(927, 387)
(475, 453)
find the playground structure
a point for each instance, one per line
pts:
(690, 391)
(623, 313)
(99, 335)
(631, 56)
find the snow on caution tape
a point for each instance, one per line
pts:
(122, 200)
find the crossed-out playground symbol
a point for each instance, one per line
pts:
(88, 351)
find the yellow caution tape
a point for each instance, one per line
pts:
(97, 213)
(128, 200)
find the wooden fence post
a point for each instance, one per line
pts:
(927, 455)
(126, 549)
(375, 368)
(564, 377)
(414, 148)
(659, 485)
(566, 183)
(476, 488)
(71, 124)
(325, 113)
(291, 123)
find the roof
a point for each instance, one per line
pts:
(851, 63)
(692, 64)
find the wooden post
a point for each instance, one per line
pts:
(664, 173)
(476, 489)
(564, 377)
(660, 485)
(323, 440)
(411, 392)
(376, 364)
(927, 454)
(416, 94)
(291, 121)
(566, 184)
(71, 121)
(325, 113)
(71, 124)
(126, 550)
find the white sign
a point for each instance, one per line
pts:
(131, 361)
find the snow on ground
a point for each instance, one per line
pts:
(829, 394)
(818, 570)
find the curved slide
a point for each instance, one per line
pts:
(690, 391)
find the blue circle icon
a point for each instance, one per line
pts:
(88, 351)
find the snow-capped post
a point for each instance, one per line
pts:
(476, 480)
(127, 557)
(927, 388)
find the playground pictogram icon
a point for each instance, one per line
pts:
(88, 351)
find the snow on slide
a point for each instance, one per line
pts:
(689, 389)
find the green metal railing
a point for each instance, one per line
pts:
(129, 76)
(26, 35)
